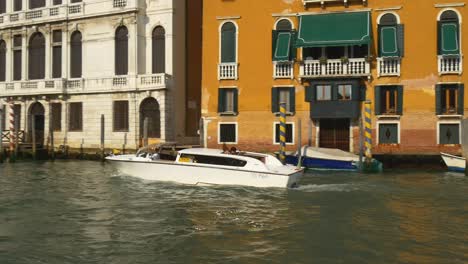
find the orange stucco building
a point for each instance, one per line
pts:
(325, 59)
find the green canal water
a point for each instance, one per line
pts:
(83, 212)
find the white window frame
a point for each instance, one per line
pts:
(449, 122)
(293, 133)
(388, 122)
(219, 132)
(219, 39)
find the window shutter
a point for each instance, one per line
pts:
(293, 53)
(461, 103)
(401, 39)
(362, 93)
(274, 39)
(399, 100)
(355, 93)
(309, 94)
(292, 99)
(438, 97)
(439, 35)
(379, 41)
(377, 100)
(334, 90)
(274, 100)
(228, 43)
(236, 101)
(221, 100)
(449, 38)
(388, 41)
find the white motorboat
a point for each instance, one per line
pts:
(201, 166)
(454, 163)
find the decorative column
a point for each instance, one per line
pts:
(65, 45)
(9, 57)
(48, 55)
(24, 55)
(25, 5)
(132, 47)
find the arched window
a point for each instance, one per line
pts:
(75, 55)
(391, 42)
(121, 51)
(282, 37)
(228, 43)
(2, 60)
(36, 59)
(149, 110)
(448, 31)
(284, 25)
(159, 50)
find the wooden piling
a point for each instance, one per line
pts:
(33, 134)
(299, 143)
(309, 133)
(11, 119)
(145, 132)
(124, 145)
(282, 136)
(464, 143)
(102, 137)
(1, 133)
(51, 134)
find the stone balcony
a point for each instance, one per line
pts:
(356, 67)
(450, 64)
(389, 66)
(64, 12)
(84, 85)
(322, 2)
(283, 70)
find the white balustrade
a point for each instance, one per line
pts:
(119, 3)
(449, 64)
(389, 66)
(152, 80)
(335, 67)
(283, 70)
(227, 71)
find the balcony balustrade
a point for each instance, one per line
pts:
(80, 85)
(322, 2)
(227, 71)
(450, 64)
(388, 66)
(335, 68)
(283, 70)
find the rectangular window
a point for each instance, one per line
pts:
(312, 53)
(75, 121)
(120, 116)
(57, 54)
(344, 91)
(289, 133)
(2, 6)
(227, 101)
(17, 5)
(388, 134)
(227, 133)
(285, 95)
(389, 100)
(449, 134)
(17, 46)
(324, 92)
(57, 2)
(449, 99)
(56, 116)
(75, 1)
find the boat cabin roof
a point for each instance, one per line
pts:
(219, 152)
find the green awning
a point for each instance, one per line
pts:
(283, 47)
(449, 38)
(334, 29)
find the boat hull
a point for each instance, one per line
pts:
(326, 164)
(454, 163)
(203, 175)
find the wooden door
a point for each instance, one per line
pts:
(334, 133)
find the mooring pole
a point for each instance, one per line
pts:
(361, 154)
(145, 132)
(33, 132)
(299, 143)
(102, 137)
(282, 136)
(368, 131)
(464, 142)
(12, 130)
(309, 132)
(51, 133)
(124, 143)
(1, 133)
(201, 133)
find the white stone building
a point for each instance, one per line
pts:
(77, 60)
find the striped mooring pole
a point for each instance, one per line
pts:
(12, 129)
(368, 130)
(282, 135)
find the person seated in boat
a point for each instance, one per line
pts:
(225, 149)
(233, 150)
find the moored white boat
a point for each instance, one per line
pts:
(454, 163)
(201, 166)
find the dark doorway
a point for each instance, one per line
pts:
(334, 133)
(36, 115)
(149, 108)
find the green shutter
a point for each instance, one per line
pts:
(401, 39)
(399, 109)
(309, 93)
(236, 101)
(439, 44)
(274, 100)
(438, 98)
(377, 100)
(449, 38)
(362, 93)
(292, 99)
(334, 92)
(449, 134)
(228, 45)
(388, 41)
(283, 47)
(274, 38)
(293, 52)
(355, 93)
(388, 134)
(221, 100)
(461, 97)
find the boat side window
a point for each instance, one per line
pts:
(212, 160)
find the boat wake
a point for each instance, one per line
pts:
(328, 188)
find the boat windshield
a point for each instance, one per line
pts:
(212, 160)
